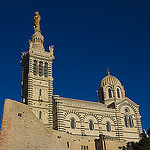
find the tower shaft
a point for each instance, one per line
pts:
(37, 80)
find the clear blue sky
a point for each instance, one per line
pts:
(88, 35)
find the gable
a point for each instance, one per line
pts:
(128, 102)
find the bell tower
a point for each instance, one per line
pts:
(37, 80)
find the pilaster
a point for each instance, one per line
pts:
(139, 125)
(30, 90)
(59, 112)
(119, 130)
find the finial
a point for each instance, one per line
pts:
(108, 70)
(37, 19)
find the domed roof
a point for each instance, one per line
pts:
(109, 80)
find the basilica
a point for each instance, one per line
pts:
(114, 115)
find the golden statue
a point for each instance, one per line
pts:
(37, 19)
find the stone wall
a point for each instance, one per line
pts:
(109, 144)
(22, 130)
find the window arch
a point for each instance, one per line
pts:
(108, 126)
(73, 123)
(91, 124)
(109, 93)
(118, 93)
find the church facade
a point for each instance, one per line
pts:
(114, 116)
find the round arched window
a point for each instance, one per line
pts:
(131, 121)
(109, 93)
(118, 92)
(108, 126)
(91, 124)
(126, 120)
(72, 123)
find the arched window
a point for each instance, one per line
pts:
(40, 115)
(73, 123)
(109, 93)
(131, 121)
(35, 67)
(118, 93)
(46, 69)
(108, 127)
(91, 124)
(126, 120)
(40, 68)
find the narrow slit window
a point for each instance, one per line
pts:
(40, 92)
(67, 144)
(40, 115)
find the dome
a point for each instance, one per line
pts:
(109, 80)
